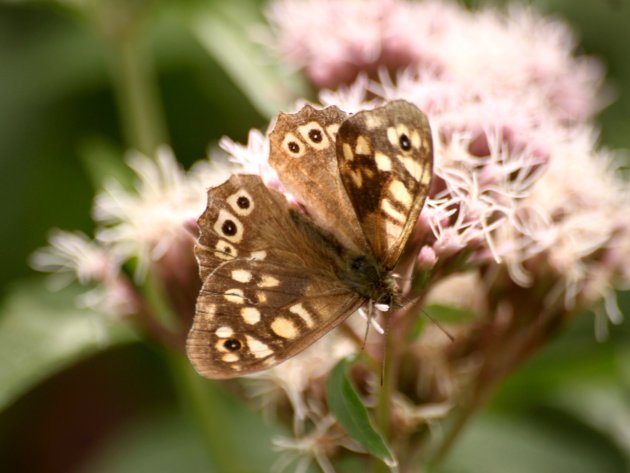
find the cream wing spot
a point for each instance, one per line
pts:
(305, 315)
(251, 315)
(230, 357)
(393, 229)
(241, 202)
(347, 152)
(258, 255)
(392, 136)
(225, 250)
(228, 226)
(357, 177)
(242, 275)
(413, 167)
(383, 162)
(400, 193)
(332, 131)
(416, 139)
(224, 332)
(391, 212)
(257, 348)
(363, 146)
(207, 311)
(268, 281)
(261, 297)
(284, 327)
(425, 179)
(235, 296)
(373, 121)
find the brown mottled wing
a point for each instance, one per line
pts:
(302, 151)
(269, 289)
(385, 162)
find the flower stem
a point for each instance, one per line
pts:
(383, 408)
(196, 398)
(133, 74)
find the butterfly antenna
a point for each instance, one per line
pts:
(432, 319)
(439, 325)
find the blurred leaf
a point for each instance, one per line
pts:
(348, 409)
(524, 444)
(225, 423)
(604, 407)
(162, 443)
(449, 314)
(102, 162)
(574, 357)
(438, 314)
(42, 332)
(226, 33)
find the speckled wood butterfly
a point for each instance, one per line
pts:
(276, 278)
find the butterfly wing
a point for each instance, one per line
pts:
(269, 289)
(385, 161)
(302, 151)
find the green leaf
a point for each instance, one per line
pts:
(226, 34)
(42, 332)
(438, 314)
(226, 423)
(348, 409)
(102, 161)
(605, 407)
(535, 441)
(163, 442)
(449, 314)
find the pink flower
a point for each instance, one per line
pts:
(335, 41)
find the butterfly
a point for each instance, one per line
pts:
(278, 276)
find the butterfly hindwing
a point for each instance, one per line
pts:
(267, 290)
(385, 160)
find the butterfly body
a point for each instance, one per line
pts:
(277, 277)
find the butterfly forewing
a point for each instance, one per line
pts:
(268, 287)
(385, 160)
(302, 151)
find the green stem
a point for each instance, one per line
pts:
(235, 438)
(133, 74)
(383, 408)
(138, 98)
(201, 402)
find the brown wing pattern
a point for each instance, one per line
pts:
(302, 151)
(268, 291)
(385, 160)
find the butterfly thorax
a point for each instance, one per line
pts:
(360, 272)
(365, 276)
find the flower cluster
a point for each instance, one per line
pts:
(525, 223)
(146, 230)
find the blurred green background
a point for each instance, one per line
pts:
(71, 403)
